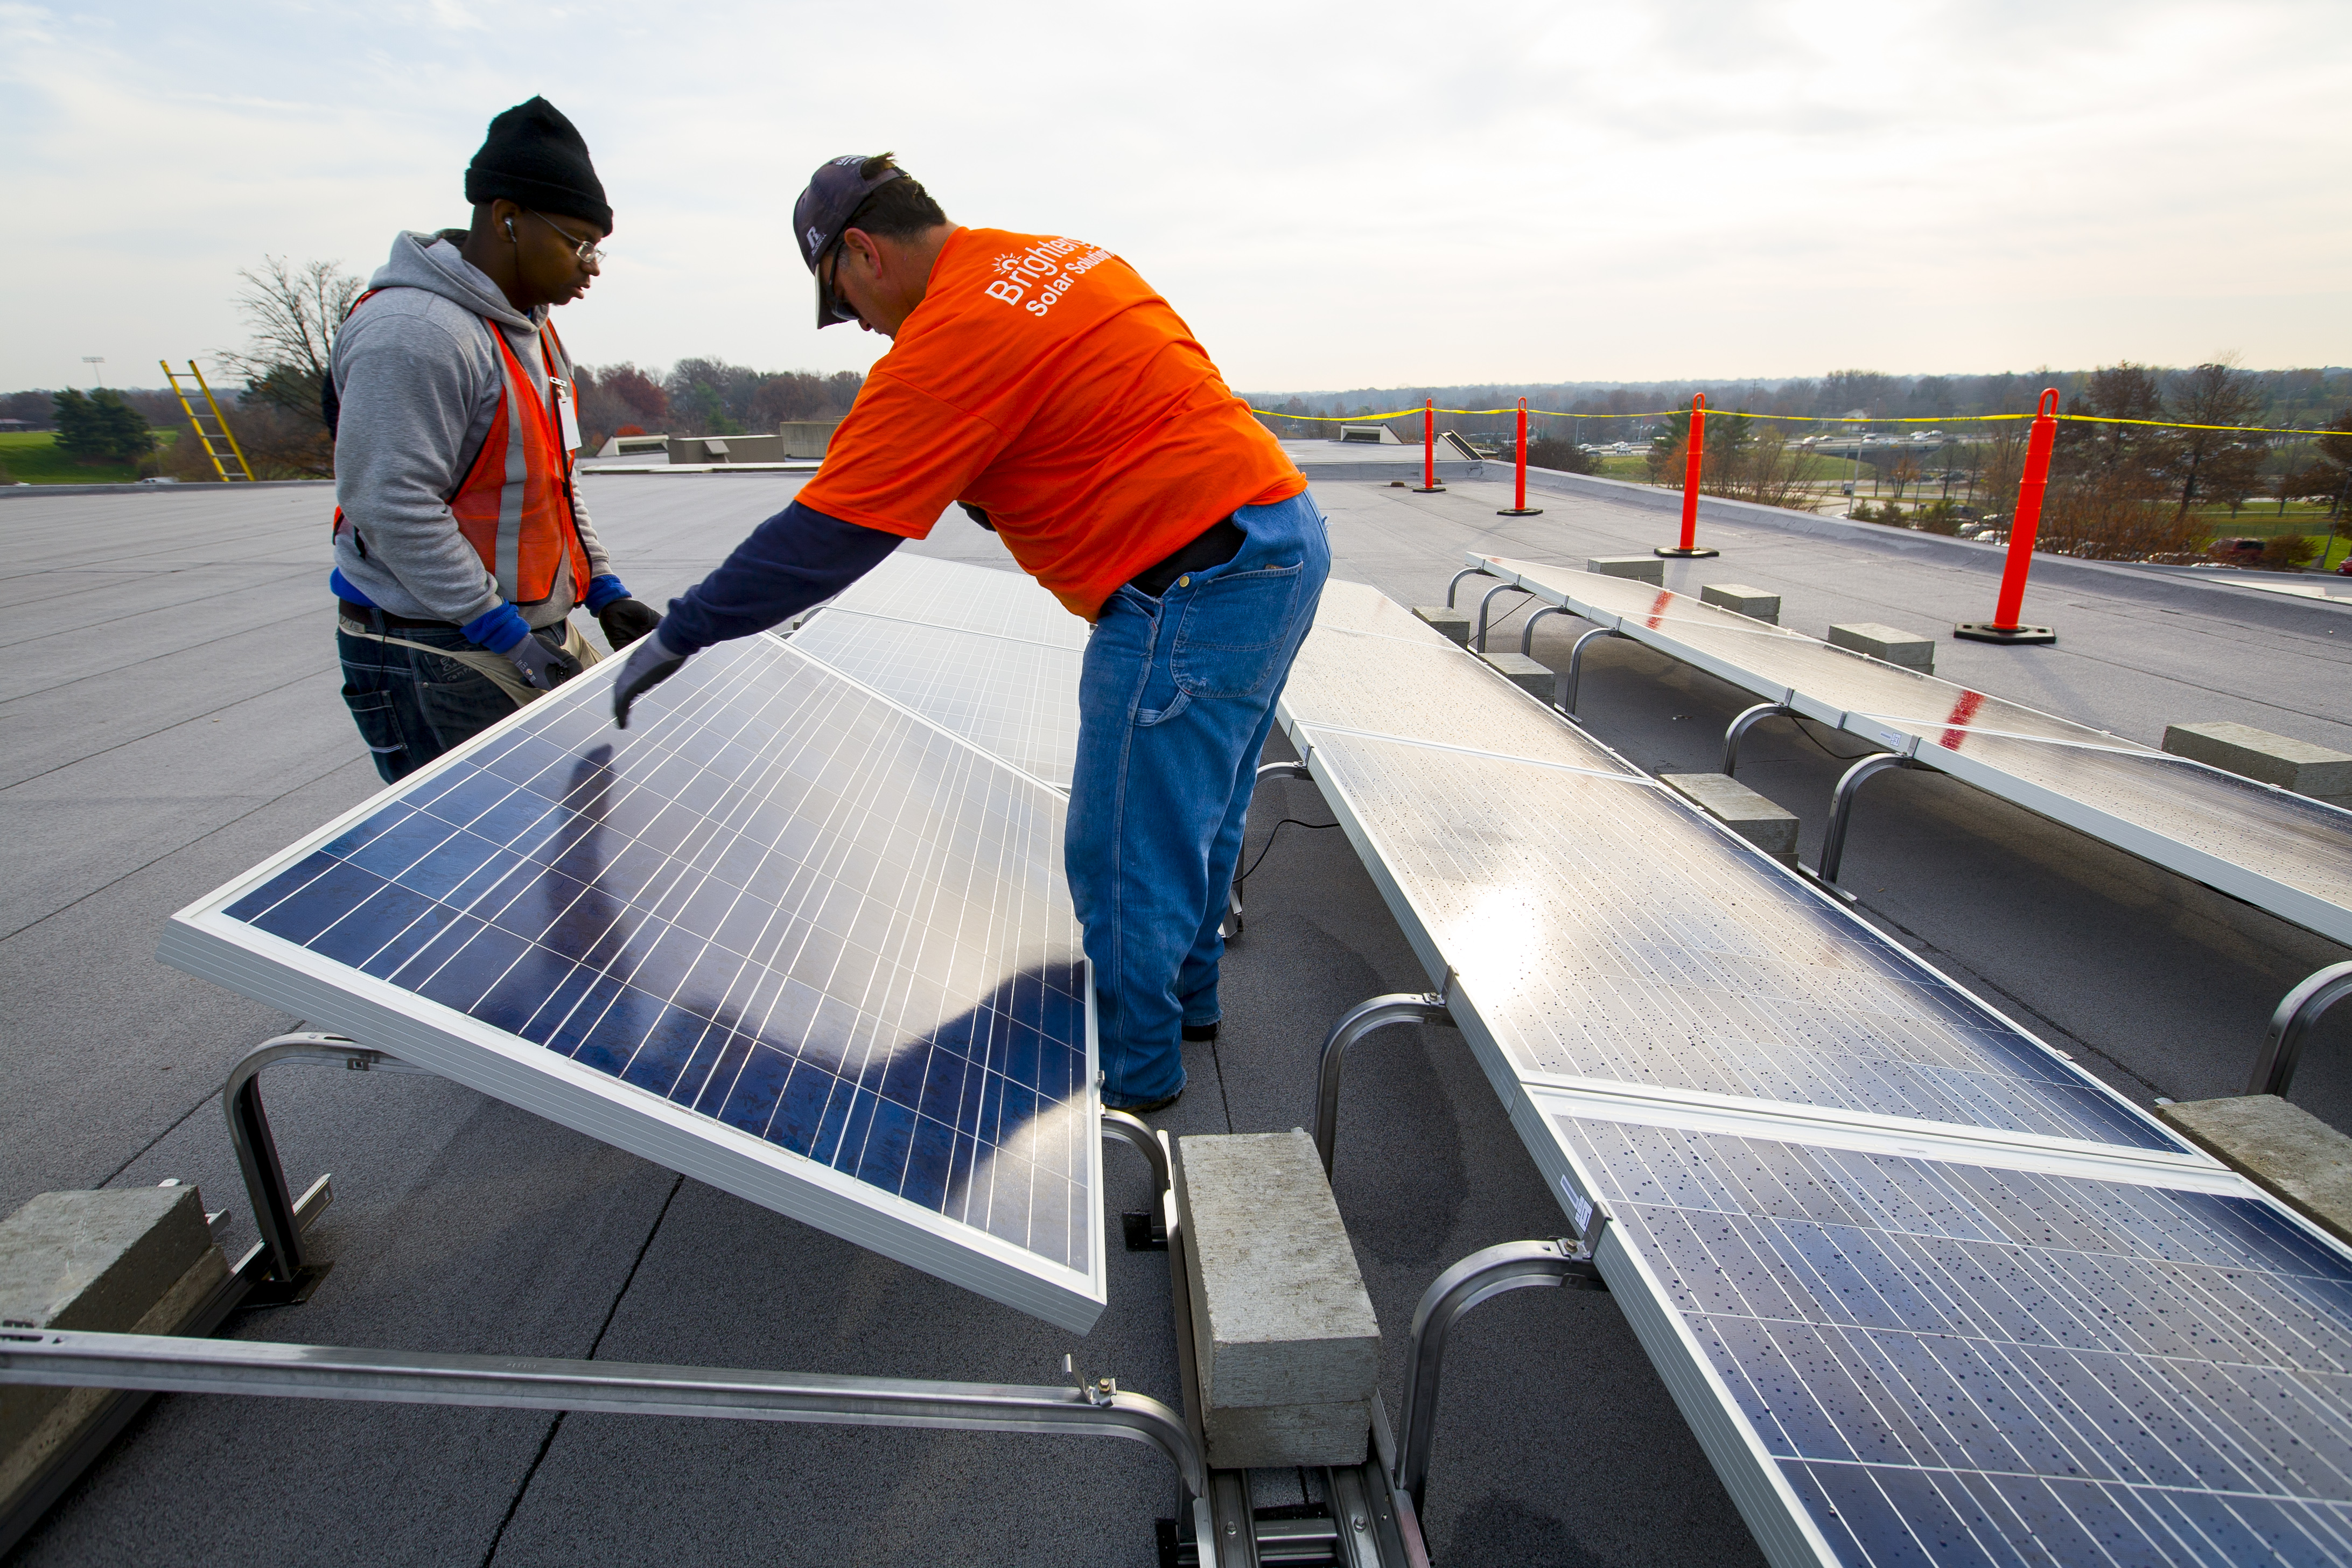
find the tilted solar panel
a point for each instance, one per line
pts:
(782, 935)
(1941, 1362)
(963, 597)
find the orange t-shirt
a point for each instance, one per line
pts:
(1042, 381)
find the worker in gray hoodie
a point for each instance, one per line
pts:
(461, 545)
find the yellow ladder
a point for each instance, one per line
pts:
(220, 444)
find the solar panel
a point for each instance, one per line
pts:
(2281, 851)
(783, 935)
(1935, 1361)
(1605, 931)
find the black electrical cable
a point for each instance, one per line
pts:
(1804, 728)
(1268, 849)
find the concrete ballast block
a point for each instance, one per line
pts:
(1288, 1347)
(1892, 644)
(2272, 759)
(2281, 1146)
(1741, 809)
(1741, 599)
(1453, 623)
(136, 1260)
(1521, 671)
(1639, 568)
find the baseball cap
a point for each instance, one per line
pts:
(832, 199)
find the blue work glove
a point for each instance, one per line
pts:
(649, 663)
(543, 667)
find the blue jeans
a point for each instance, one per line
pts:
(412, 706)
(1175, 700)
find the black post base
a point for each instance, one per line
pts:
(1985, 631)
(1677, 552)
(1520, 512)
(1429, 489)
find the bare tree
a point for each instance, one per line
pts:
(2214, 461)
(293, 314)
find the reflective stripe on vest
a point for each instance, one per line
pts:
(514, 505)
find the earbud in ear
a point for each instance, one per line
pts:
(510, 233)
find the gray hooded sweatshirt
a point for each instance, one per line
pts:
(419, 379)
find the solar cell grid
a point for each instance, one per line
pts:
(1956, 1364)
(1015, 698)
(785, 906)
(929, 592)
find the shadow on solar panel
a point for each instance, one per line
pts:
(787, 938)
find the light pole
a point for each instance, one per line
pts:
(95, 360)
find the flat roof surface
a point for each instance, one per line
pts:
(172, 719)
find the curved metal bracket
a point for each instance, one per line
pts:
(1747, 720)
(1527, 627)
(1128, 1126)
(2297, 1012)
(1398, 1007)
(277, 1212)
(1457, 582)
(1234, 893)
(1564, 688)
(1842, 806)
(1479, 636)
(1513, 1266)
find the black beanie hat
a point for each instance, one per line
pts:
(534, 156)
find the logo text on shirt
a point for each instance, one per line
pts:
(1040, 270)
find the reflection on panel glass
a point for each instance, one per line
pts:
(1431, 692)
(1958, 1366)
(1015, 698)
(788, 908)
(1604, 933)
(966, 598)
(2293, 841)
(1360, 607)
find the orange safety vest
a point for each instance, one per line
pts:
(514, 506)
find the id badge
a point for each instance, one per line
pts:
(567, 417)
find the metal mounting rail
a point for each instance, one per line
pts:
(1478, 638)
(167, 1363)
(1564, 686)
(2298, 1010)
(1398, 1007)
(1748, 720)
(1513, 1266)
(1457, 582)
(1841, 807)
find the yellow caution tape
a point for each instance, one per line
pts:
(1791, 419)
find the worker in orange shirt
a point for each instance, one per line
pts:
(1040, 382)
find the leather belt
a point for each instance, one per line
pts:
(1215, 546)
(366, 615)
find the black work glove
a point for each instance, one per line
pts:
(543, 667)
(626, 620)
(977, 515)
(648, 665)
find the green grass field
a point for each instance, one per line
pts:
(31, 456)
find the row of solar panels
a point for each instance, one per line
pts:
(2277, 850)
(1926, 1290)
(801, 932)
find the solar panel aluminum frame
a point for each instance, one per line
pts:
(2290, 904)
(200, 939)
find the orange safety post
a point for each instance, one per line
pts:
(1519, 506)
(1692, 466)
(2004, 625)
(1429, 485)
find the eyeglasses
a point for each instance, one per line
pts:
(843, 311)
(585, 250)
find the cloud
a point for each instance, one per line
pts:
(1375, 194)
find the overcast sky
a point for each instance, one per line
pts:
(1333, 195)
